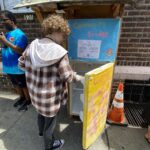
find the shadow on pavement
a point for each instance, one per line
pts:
(18, 131)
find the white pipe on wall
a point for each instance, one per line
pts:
(2, 4)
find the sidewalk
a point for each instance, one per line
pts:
(18, 131)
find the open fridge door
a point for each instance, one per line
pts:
(97, 90)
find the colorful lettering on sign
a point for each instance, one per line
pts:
(99, 34)
(97, 93)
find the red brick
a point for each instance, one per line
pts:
(145, 40)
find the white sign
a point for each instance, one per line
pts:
(10, 4)
(89, 49)
(29, 17)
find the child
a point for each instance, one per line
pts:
(47, 72)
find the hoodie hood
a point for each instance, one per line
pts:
(44, 52)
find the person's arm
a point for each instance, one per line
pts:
(66, 72)
(9, 44)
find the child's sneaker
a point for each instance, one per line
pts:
(58, 144)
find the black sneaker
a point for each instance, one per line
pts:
(19, 102)
(24, 106)
(40, 134)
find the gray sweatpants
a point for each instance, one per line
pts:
(47, 126)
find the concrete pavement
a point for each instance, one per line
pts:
(18, 131)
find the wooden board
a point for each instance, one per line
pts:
(81, 11)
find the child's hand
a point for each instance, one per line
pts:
(21, 63)
(80, 78)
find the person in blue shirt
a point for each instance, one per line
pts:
(14, 43)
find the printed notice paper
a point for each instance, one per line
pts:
(89, 49)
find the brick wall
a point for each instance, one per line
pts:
(31, 27)
(134, 48)
(5, 83)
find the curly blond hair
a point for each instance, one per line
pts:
(55, 23)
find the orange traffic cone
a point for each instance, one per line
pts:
(116, 113)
